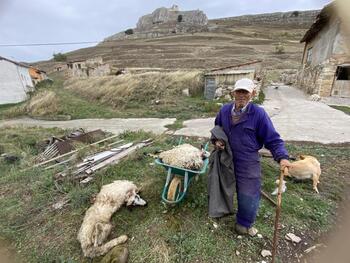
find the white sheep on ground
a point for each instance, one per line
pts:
(184, 156)
(96, 225)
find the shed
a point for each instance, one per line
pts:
(15, 81)
(326, 59)
(227, 76)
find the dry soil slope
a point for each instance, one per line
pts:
(228, 41)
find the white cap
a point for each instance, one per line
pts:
(245, 84)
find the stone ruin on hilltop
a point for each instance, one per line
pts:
(166, 21)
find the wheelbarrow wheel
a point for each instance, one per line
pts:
(174, 188)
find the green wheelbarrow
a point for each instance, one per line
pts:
(173, 192)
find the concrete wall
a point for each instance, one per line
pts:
(15, 82)
(322, 44)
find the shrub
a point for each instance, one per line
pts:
(59, 57)
(295, 14)
(279, 48)
(129, 31)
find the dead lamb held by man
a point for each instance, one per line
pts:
(184, 156)
(96, 225)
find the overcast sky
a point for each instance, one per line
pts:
(52, 21)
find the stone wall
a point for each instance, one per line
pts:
(320, 79)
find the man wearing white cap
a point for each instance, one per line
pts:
(248, 128)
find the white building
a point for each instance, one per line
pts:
(15, 81)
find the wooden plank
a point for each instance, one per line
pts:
(69, 153)
(116, 158)
(57, 164)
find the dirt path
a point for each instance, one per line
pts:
(116, 126)
(295, 118)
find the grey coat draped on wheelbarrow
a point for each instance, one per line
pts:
(221, 179)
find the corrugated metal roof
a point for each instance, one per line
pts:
(238, 65)
(230, 72)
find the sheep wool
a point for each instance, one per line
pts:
(184, 156)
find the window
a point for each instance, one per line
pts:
(343, 73)
(309, 55)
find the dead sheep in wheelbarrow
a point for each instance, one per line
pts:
(184, 156)
(96, 225)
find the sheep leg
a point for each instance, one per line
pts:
(101, 250)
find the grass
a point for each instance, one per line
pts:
(260, 99)
(143, 95)
(345, 109)
(157, 233)
(155, 95)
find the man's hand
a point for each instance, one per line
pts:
(219, 145)
(284, 163)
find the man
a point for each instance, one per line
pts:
(248, 128)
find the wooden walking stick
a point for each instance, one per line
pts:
(278, 212)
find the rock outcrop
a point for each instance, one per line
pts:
(166, 21)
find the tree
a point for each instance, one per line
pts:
(59, 57)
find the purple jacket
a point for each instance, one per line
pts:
(253, 131)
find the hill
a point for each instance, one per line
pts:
(227, 41)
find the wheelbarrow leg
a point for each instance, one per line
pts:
(168, 178)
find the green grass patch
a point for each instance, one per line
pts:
(158, 233)
(178, 124)
(261, 98)
(345, 109)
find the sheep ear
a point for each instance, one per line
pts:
(302, 157)
(128, 196)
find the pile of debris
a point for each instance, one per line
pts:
(62, 152)
(54, 146)
(84, 170)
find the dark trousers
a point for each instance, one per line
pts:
(248, 185)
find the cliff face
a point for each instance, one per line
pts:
(166, 21)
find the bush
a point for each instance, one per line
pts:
(59, 57)
(129, 31)
(279, 48)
